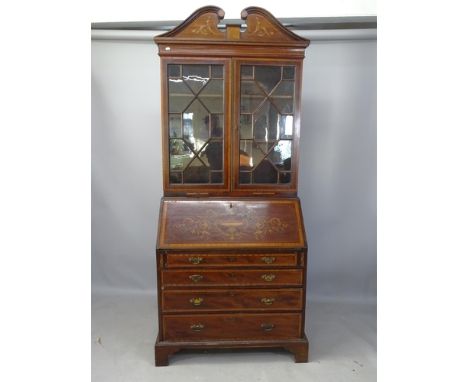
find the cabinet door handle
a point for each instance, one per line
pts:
(197, 327)
(196, 301)
(269, 277)
(267, 327)
(268, 259)
(267, 300)
(195, 259)
(196, 278)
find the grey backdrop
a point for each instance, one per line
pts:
(337, 179)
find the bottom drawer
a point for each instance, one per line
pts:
(231, 326)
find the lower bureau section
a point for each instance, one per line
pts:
(201, 327)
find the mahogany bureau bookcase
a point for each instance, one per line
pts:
(231, 249)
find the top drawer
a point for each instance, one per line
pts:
(182, 260)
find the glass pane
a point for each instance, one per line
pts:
(251, 96)
(173, 70)
(265, 173)
(289, 72)
(280, 156)
(212, 96)
(245, 177)
(175, 177)
(283, 97)
(246, 126)
(286, 124)
(175, 126)
(217, 125)
(247, 71)
(196, 125)
(179, 95)
(213, 152)
(266, 123)
(196, 172)
(180, 154)
(285, 177)
(217, 71)
(196, 76)
(250, 154)
(267, 76)
(216, 177)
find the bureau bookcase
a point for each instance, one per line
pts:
(231, 249)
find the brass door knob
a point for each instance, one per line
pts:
(197, 327)
(196, 301)
(267, 300)
(196, 278)
(268, 277)
(195, 259)
(268, 259)
(267, 327)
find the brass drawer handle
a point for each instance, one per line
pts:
(267, 300)
(267, 327)
(195, 260)
(269, 277)
(268, 259)
(197, 327)
(196, 278)
(196, 301)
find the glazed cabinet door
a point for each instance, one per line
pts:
(196, 129)
(266, 119)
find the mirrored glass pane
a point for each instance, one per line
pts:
(179, 95)
(196, 172)
(267, 76)
(175, 126)
(266, 123)
(212, 96)
(265, 173)
(179, 154)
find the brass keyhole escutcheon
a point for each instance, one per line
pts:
(267, 300)
(267, 327)
(269, 277)
(196, 301)
(195, 259)
(197, 327)
(196, 278)
(268, 259)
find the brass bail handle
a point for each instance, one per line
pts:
(196, 278)
(196, 301)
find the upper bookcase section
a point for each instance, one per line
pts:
(262, 33)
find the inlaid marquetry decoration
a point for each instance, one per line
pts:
(207, 222)
(204, 24)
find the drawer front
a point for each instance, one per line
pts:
(235, 299)
(180, 260)
(231, 326)
(263, 277)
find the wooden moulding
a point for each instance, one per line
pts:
(263, 35)
(298, 347)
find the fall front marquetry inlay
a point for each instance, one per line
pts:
(231, 248)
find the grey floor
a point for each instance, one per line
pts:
(342, 347)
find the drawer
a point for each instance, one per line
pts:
(235, 299)
(261, 277)
(180, 260)
(231, 326)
